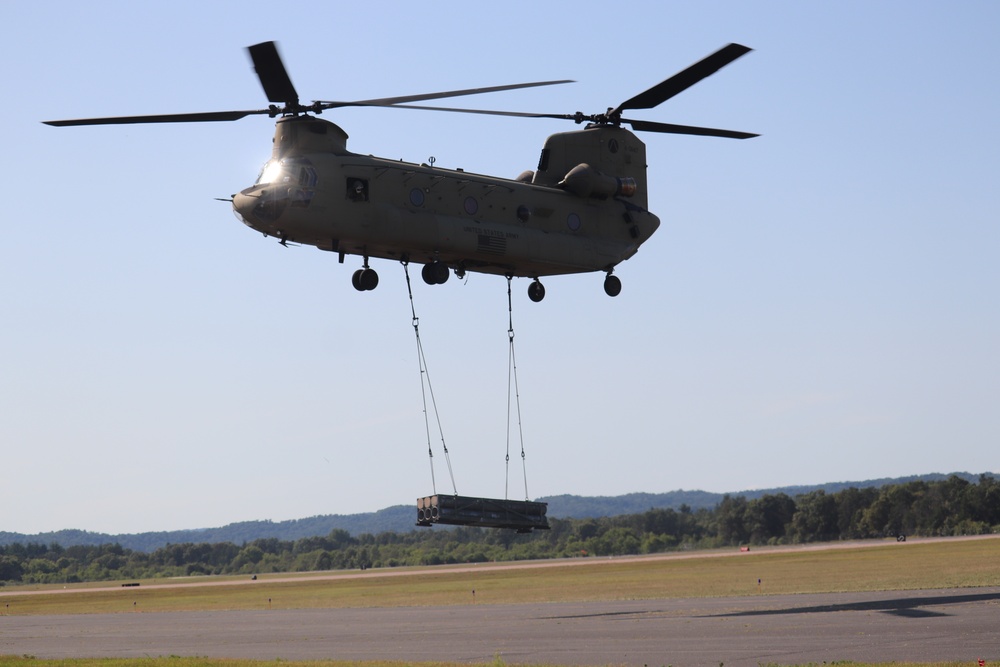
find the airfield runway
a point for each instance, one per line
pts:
(960, 624)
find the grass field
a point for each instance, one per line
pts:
(881, 566)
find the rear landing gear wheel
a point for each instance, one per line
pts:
(612, 285)
(364, 280)
(536, 291)
(435, 273)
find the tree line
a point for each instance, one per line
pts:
(951, 507)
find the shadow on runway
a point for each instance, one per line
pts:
(911, 607)
(603, 614)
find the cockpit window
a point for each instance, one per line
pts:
(295, 171)
(289, 182)
(269, 173)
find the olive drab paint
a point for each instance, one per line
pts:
(582, 209)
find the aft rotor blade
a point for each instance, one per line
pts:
(272, 74)
(683, 80)
(638, 125)
(402, 99)
(161, 118)
(670, 128)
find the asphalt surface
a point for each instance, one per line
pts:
(960, 624)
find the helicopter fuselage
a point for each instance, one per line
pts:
(583, 209)
(315, 192)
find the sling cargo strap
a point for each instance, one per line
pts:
(520, 515)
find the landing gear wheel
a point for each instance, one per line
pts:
(364, 280)
(435, 273)
(369, 279)
(612, 285)
(536, 291)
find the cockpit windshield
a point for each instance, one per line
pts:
(269, 173)
(296, 171)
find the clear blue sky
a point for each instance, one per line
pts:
(820, 303)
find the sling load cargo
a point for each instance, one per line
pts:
(520, 515)
(459, 510)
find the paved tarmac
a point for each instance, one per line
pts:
(959, 624)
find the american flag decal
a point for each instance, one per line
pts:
(493, 245)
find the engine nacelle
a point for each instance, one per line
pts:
(585, 181)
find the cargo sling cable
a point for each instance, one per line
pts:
(522, 516)
(512, 379)
(425, 389)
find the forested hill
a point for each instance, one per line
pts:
(591, 507)
(401, 518)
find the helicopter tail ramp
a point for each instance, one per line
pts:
(520, 515)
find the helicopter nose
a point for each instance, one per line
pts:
(261, 207)
(242, 207)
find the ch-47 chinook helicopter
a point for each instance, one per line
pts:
(584, 209)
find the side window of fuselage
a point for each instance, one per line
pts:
(357, 189)
(307, 176)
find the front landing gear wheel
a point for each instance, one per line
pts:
(536, 291)
(364, 280)
(612, 285)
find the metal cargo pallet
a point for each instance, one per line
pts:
(520, 515)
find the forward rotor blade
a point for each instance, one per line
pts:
(161, 118)
(272, 74)
(683, 80)
(384, 102)
(390, 101)
(670, 128)
(487, 112)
